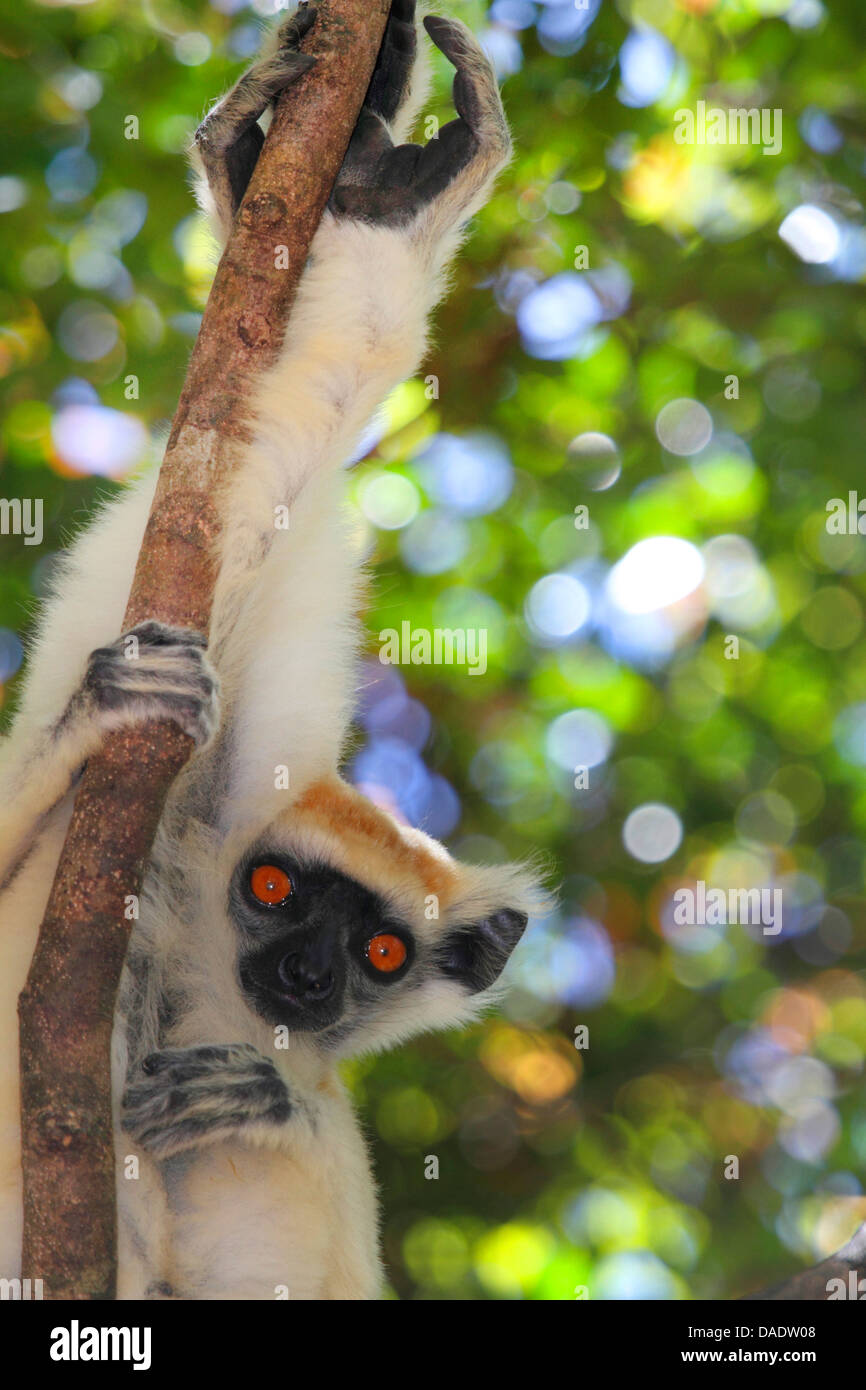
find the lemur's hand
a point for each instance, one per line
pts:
(379, 182)
(187, 1096)
(153, 672)
(229, 140)
(393, 185)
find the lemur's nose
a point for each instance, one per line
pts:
(305, 978)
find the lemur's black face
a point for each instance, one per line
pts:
(320, 953)
(310, 938)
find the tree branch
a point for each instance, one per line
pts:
(846, 1269)
(67, 1007)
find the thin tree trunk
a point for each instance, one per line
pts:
(67, 1007)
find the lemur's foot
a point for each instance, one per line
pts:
(186, 1096)
(228, 139)
(392, 185)
(155, 672)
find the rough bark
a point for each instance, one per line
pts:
(67, 1007)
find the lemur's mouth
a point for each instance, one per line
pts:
(301, 1015)
(288, 996)
(304, 1014)
(305, 1001)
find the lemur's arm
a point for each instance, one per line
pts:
(376, 269)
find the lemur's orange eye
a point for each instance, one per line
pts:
(386, 953)
(270, 884)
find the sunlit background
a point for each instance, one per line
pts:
(647, 386)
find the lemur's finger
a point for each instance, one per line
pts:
(187, 1063)
(370, 140)
(368, 148)
(157, 634)
(443, 159)
(292, 30)
(284, 68)
(451, 39)
(234, 116)
(477, 143)
(475, 93)
(401, 167)
(394, 63)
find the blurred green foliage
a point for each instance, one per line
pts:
(559, 1167)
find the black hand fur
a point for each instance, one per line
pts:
(188, 1095)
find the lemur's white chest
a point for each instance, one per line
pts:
(297, 1222)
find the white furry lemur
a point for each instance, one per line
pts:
(308, 908)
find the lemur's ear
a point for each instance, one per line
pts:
(476, 954)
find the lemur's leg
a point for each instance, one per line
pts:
(152, 672)
(181, 1098)
(229, 139)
